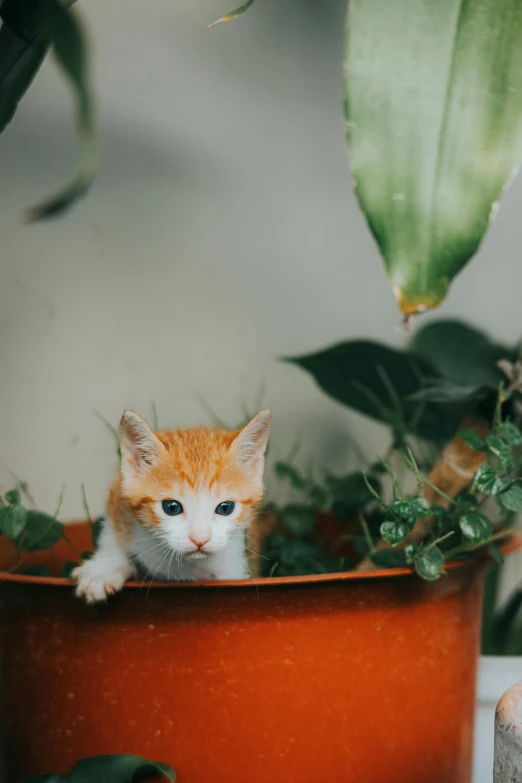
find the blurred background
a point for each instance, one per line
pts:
(220, 235)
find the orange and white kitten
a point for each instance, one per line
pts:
(179, 506)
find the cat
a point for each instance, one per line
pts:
(179, 506)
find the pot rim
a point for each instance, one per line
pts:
(512, 544)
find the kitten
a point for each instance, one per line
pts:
(179, 506)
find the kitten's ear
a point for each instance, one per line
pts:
(140, 448)
(250, 444)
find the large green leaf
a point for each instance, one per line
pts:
(29, 29)
(108, 769)
(378, 381)
(461, 353)
(433, 107)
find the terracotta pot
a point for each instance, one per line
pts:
(342, 678)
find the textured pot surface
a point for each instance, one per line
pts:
(343, 678)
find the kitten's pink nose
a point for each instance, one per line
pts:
(199, 542)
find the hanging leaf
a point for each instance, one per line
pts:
(22, 51)
(60, 25)
(473, 440)
(110, 769)
(13, 497)
(234, 14)
(433, 109)
(379, 381)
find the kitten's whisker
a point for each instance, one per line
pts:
(257, 553)
(147, 551)
(148, 572)
(155, 572)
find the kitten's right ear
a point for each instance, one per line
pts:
(140, 448)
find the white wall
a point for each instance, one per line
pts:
(220, 234)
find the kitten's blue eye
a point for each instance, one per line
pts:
(225, 509)
(172, 508)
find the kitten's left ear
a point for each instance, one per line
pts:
(140, 448)
(250, 444)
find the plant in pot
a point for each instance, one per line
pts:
(303, 676)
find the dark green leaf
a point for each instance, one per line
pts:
(13, 520)
(317, 496)
(62, 27)
(67, 569)
(511, 434)
(430, 563)
(108, 769)
(511, 498)
(234, 14)
(461, 353)
(23, 50)
(378, 381)
(476, 528)
(38, 570)
(473, 440)
(353, 491)
(388, 558)
(299, 520)
(87, 555)
(467, 502)
(487, 480)
(41, 532)
(395, 532)
(13, 497)
(287, 472)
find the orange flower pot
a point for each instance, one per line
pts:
(345, 678)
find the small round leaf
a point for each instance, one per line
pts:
(476, 528)
(395, 532)
(430, 564)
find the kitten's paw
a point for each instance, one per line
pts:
(95, 582)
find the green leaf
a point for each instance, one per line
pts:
(123, 768)
(87, 555)
(467, 502)
(41, 532)
(511, 498)
(23, 49)
(476, 528)
(433, 111)
(13, 497)
(462, 354)
(411, 508)
(473, 440)
(299, 520)
(234, 14)
(395, 532)
(388, 558)
(38, 570)
(61, 25)
(379, 381)
(511, 434)
(487, 480)
(495, 553)
(430, 563)
(13, 520)
(496, 445)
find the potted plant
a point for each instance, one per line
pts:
(363, 674)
